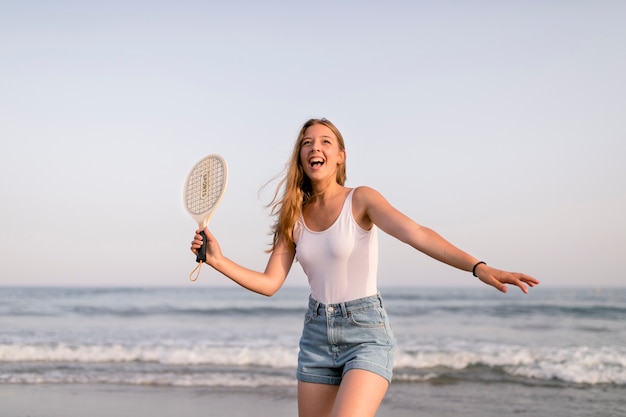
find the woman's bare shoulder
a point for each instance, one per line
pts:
(365, 193)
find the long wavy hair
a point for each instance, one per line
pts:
(294, 191)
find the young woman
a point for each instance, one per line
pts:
(347, 346)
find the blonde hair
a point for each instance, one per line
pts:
(296, 187)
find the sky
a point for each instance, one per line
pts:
(501, 125)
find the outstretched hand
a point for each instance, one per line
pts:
(498, 279)
(213, 250)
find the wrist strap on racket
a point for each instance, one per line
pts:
(197, 269)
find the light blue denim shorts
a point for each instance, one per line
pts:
(339, 337)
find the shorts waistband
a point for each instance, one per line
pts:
(345, 308)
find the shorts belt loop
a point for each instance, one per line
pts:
(380, 300)
(344, 310)
(315, 308)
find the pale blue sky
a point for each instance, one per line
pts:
(499, 124)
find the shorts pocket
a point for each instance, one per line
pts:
(370, 319)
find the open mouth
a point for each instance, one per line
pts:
(316, 162)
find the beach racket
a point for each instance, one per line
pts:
(204, 189)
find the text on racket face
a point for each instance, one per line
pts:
(205, 185)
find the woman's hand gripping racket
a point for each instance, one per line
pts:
(204, 189)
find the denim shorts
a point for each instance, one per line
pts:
(339, 337)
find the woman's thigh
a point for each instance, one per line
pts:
(360, 394)
(316, 400)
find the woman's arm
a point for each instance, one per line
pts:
(372, 208)
(265, 283)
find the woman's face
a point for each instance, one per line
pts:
(320, 154)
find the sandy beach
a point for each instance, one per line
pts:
(428, 400)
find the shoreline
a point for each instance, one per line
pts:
(402, 400)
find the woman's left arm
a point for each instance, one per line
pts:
(372, 208)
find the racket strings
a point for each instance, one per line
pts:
(205, 186)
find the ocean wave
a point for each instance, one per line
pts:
(203, 302)
(608, 313)
(575, 365)
(157, 310)
(274, 357)
(161, 377)
(600, 312)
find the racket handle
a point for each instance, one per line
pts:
(201, 257)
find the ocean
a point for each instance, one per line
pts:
(196, 336)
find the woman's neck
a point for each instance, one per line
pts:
(322, 192)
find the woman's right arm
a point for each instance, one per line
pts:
(266, 283)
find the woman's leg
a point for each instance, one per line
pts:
(316, 400)
(360, 394)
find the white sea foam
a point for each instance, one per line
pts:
(580, 365)
(275, 357)
(207, 379)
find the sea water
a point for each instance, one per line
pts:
(198, 336)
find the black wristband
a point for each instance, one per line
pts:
(474, 268)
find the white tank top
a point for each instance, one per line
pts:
(340, 262)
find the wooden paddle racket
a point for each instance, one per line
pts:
(204, 189)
